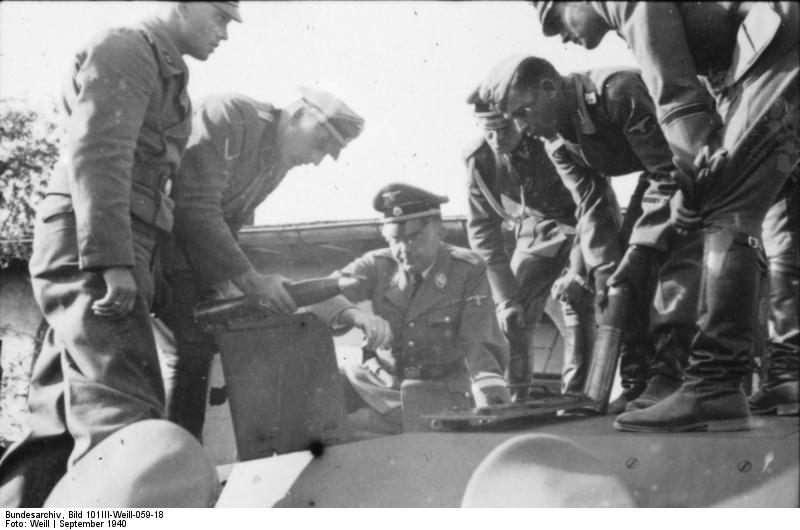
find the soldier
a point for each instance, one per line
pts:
(507, 170)
(598, 124)
(432, 310)
(95, 240)
(733, 162)
(239, 152)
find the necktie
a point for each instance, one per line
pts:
(416, 281)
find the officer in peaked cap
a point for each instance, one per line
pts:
(229, 8)
(511, 181)
(406, 209)
(432, 321)
(240, 151)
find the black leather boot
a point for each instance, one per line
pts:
(519, 372)
(633, 360)
(577, 344)
(711, 396)
(779, 392)
(667, 366)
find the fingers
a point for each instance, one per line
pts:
(378, 334)
(120, 294)
(272, 294)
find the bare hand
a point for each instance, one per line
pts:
(120, 295)
(377, 331)
(511, 317)
(569, 288)
(267, 290)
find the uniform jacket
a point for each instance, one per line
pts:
(450, 318)
(129, 118)
(613, 131)
(675, 42)
(525, 176)
(229, 168)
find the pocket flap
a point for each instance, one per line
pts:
(53, 206)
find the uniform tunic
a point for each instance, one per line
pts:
(748, 55)
(128, 120)
(447, 331)
(229, 168)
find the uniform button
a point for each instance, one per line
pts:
(411, 343)
(447, 319)
(411, 324)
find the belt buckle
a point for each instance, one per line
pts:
(412, 372)
(752, 241)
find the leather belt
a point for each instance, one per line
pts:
(430, 371)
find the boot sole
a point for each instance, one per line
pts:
(785, 409)
(739, 424)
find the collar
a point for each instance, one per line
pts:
(583, 93)
(170, 59)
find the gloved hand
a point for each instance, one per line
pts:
(377, 331)
(490, 389)
(684, 218)
(636, 266)
(601, 275)
(693, 180)
(510, 316)
(569, 287)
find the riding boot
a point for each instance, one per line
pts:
(632, 370)
(520, 371)
(711, 396)
(667, 367)
(186, 399)
(779, 392)
(578, 338)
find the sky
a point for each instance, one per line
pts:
(406, 67)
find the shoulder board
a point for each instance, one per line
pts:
(464, 254)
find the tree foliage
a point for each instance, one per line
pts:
(28, 152)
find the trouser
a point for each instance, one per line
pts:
(187, 367)
(761, 134)
(94, 375)
(781, 234)
(535, 276)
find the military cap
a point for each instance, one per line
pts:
(406, 208)
(229, 8)
(546, 17)
(504, 77)
(488, 116)
(340, 120)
